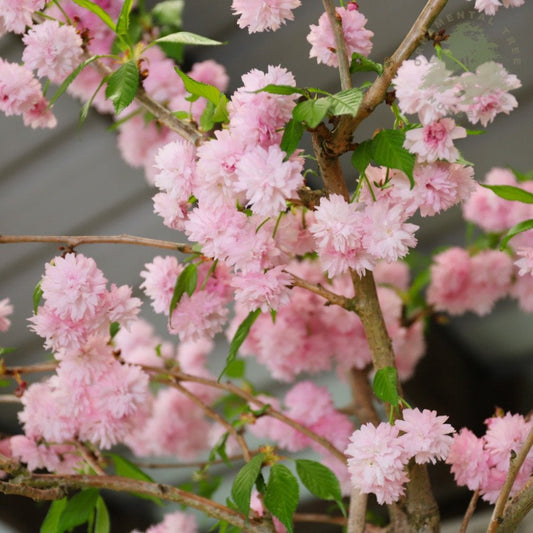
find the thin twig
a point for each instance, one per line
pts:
(340, 44)
(517, 508)
(9, 398)
(72, 241)
(319, 518)
(516, 463)
(469, 511)
(88, 458)
(215, 416)
(30, 369)
(228, 387)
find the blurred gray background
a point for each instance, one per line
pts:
(70, 181)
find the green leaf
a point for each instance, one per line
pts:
(311, 112)
(114, 328)
(37, 296)
(98, 11)
(475, 132)
(186, 283)
(241, 490)
(102, 523)
(525, 225)
(4, 351)
(78, 510)
(87, 105)
(508, 192)
(239, 338)
(169, 12)
(122, 86)
(236, 369)
(126, 468)
(522, 176)
(206, 120)
(385, 385)
(320, 481)
(388, 151)
(185, 37)
(70, 78)
(291, 136)
(5, 383)
(346, 102)
(362, 156)
(123, 22)
(281, 89)
(360, 63)
(282, 494)
(51, 520)
(209, 92)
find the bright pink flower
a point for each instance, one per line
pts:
(425, 436)
(159, 281)
(357, 37)
(53, 50)
(267, 180)
(261, 15)
(5, 310)
(265, 291)
(377, 462)
(435, 141)
(15, 15)
(73, 286)
(468, 460)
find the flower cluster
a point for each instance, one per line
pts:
(378, 455)
(261, 15)
(174, 522)
(489, 7)
(482, 463)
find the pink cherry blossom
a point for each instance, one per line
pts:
(357, 37)
(425, 436)
(5, 310)
(15, 15)
(53, 50)
(377, 462)
(489, 7)
(261, 15)
(159, 281)
(435, 141)
(177, 521)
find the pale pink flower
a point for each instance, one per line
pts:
(357, 37)
(267, 179)
(160, 279)
(257, 290)
(522, 290)
(435, 141)
(172, 211)
(53, 50)
(5, 310)
(377, 462)
(489, 7)
(210, 72)
(176, 164)
(73, 286)
(121, 306)
(261, 15)
(486, 106)
(162, 82)
(468, 460)
(15, 15)
(425, 436)
(39, 115)
(395, 273)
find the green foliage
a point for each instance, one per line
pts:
(122, 85)
(282, 494)
(123, 22)
(210, 93)
(362, 156)
(385, 385)
(360, 63)
(169, 13)
(388, 151)
(51, 520)
(185, 37)
(126, 468)
(345, 102)
(283, 89)
(525, 225)
(102, 523)
(312, 112)
(78, 510)
(508, 192)
(98, 11)
(37, 296)
(186, 283)
(114, 328)
(320, 481)
(236, 369)
(241, 490)
(291, 136)
(239, 338)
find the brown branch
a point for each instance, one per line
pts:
(516, 463)
(319, 518)
(71, 241)
(228, 387)
(30, 369)
(88, 458)
(9, 398)
(331, 297)
(363, 406)
(469, 511)
(517, 509)
(341, 138)
(340, 44)
(357, 515)
(215, 416)
(52, 486)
